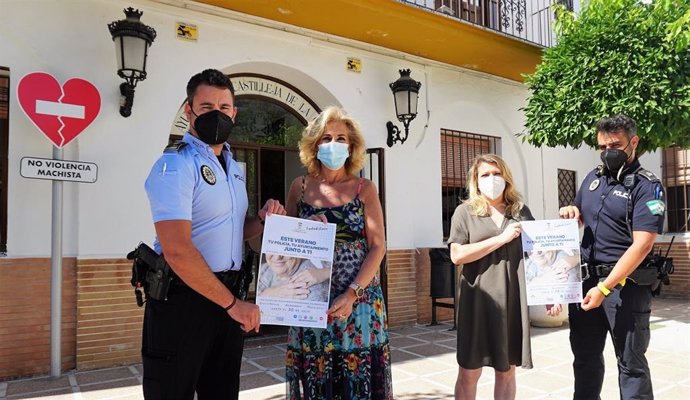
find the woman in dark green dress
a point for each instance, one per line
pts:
(493, 321)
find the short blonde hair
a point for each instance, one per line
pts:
(511, 196)
(309, 144)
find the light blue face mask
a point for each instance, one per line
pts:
(333, 154)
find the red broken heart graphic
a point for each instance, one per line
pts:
(60, 116)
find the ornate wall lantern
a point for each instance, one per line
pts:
(132, 40)
(405, 93)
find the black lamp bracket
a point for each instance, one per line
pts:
(394, 133)
(127, 99)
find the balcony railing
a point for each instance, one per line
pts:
(530, 20)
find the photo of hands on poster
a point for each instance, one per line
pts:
(552, 261)
(295, 273)
(291, 277)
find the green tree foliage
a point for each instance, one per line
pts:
(616, 56)
(679, 32)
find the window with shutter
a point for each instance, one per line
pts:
(458, 150)
(676, 180)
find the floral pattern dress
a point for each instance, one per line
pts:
(349, 360)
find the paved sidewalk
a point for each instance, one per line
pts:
(424, 367)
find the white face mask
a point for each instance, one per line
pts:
(492, 186)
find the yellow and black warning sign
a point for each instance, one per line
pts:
(186, 31)
(353, 64)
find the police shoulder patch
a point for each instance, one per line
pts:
(656, 207)
(175, 147)
(208, 175)
(649, 175)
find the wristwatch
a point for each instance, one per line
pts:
(359, 291)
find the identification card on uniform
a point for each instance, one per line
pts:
(552, 261)
(294, 280)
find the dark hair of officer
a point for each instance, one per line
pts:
(210, 77)
(618, 123)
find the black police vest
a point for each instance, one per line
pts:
(624, 216)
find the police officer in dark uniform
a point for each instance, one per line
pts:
(622, 209)
(192, 339)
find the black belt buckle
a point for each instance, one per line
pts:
(603, 271)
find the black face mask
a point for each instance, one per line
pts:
(614, 160)
(213, 127)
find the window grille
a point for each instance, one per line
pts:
(567, 187)
(481, 12)
(458, 150)
(676, 180)
(530, 20)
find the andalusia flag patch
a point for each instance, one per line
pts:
(656, 207)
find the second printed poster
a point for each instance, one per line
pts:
(552, 261)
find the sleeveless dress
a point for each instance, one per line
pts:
(493, 318)
(348, 360)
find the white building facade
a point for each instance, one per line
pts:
(297, 69)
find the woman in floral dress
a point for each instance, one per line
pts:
(350, 358)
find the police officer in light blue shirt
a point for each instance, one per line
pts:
(193, 340)
(192, 169)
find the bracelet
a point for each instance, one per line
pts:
(603, 289)
(232, 304)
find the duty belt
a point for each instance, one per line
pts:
(229, 278)
(599, 271)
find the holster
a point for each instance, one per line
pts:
(245, 281)
(150, 273)
(645, 274)
(246, 274)
(239, 282)
(655, 269)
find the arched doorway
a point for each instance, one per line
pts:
(265, 142)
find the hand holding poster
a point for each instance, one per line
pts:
(295, 273)
(552, 261)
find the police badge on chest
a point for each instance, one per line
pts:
(208, 175)
(594, 185)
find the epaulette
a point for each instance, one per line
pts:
(175, 147)
(649, 175)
